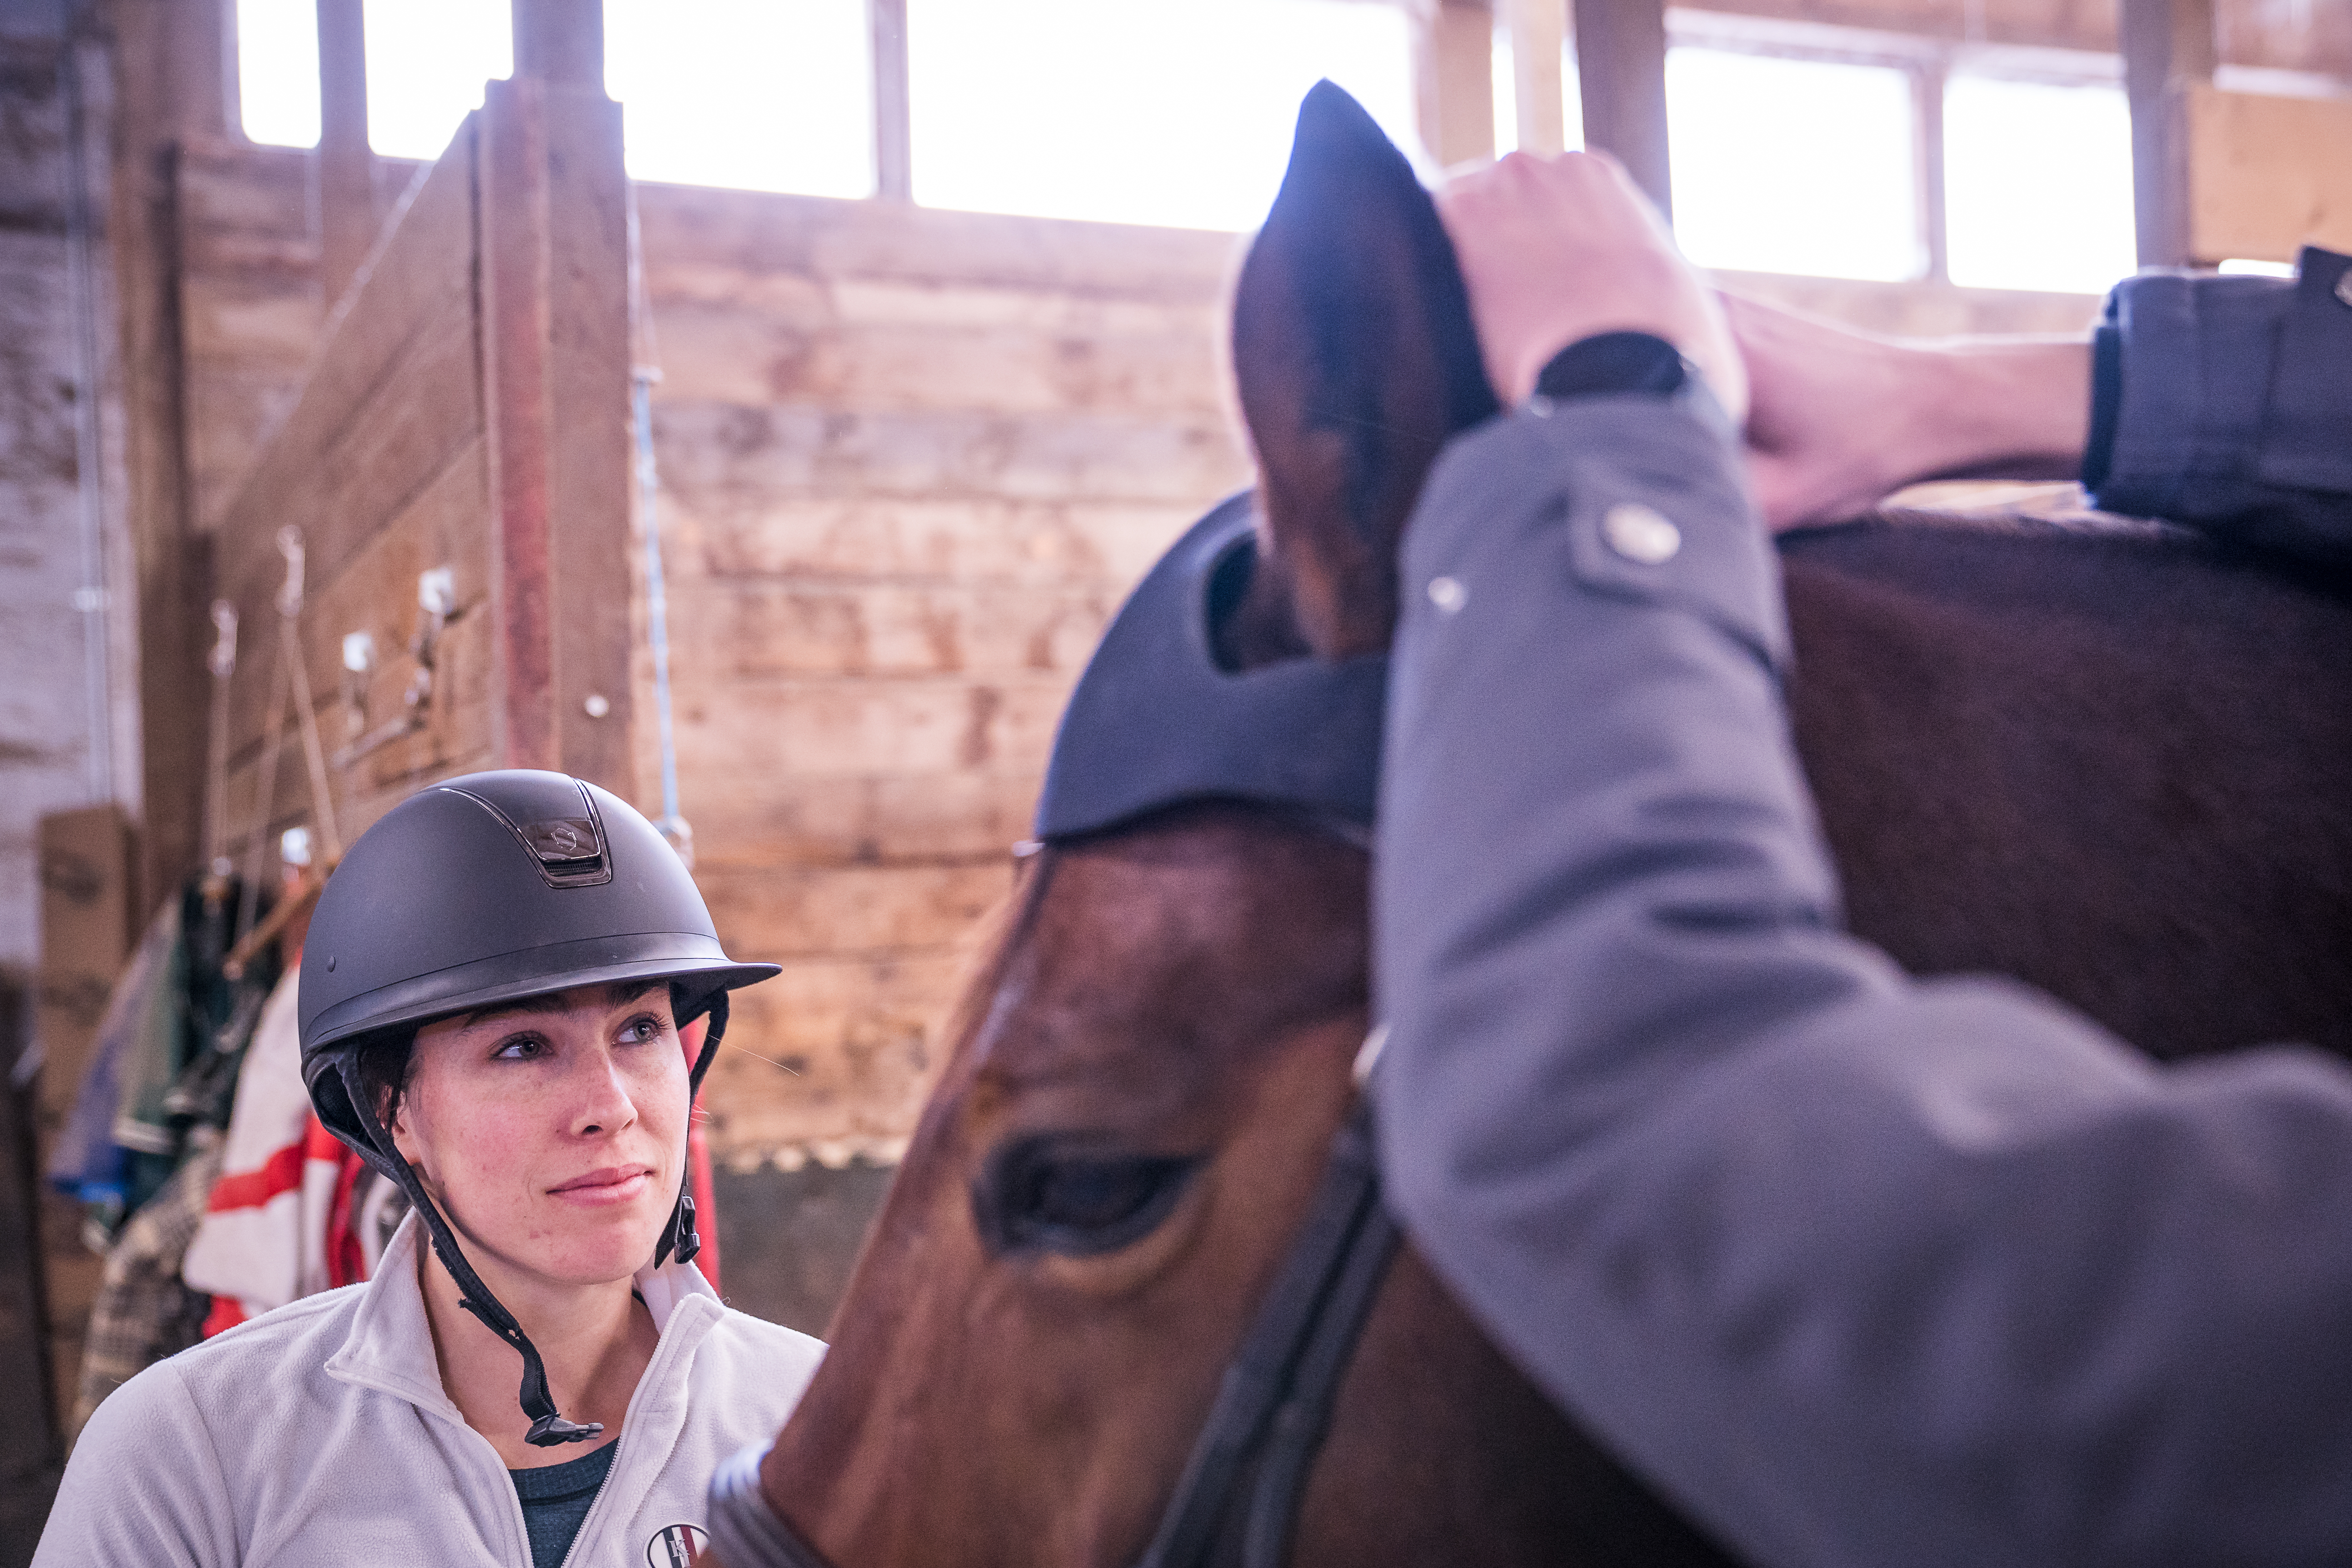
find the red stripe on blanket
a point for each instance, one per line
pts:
(281, 1172)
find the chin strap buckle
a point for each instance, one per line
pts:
(552, 1430)
(685, 1241)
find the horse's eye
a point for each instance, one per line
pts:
(1038, 1196)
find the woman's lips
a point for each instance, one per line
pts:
(612, 1185)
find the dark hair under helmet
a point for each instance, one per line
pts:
(476, 892)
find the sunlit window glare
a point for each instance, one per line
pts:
(2037, 184)
(748, 93)
(1786, 165)
(1506, 98)
(277, 71)
(427, 62)
(1135, 110)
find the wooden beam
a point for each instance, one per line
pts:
(1927, 84)
(1621, 64)
(518, 412)
(1453, 81)
(2266, 176)
(2168, 48)
(1539, 41)
(894, 134)
(344, 168)
(555, 331)
(561, 41)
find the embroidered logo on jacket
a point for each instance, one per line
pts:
(677, 1546)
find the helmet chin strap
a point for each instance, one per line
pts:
(679, 1236)
(549, 1428)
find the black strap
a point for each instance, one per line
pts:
(679, 1236)
(1283, 1377)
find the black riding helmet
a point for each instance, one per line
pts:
(480, 891)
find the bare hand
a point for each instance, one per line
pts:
(1556, 250)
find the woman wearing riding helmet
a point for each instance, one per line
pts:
(491, 992)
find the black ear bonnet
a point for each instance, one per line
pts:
(1156, 722)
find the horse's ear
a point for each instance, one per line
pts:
(1356, 359)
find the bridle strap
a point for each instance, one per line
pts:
(1283, 1377)
(1274, 1404)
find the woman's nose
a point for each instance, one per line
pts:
(602, 1104)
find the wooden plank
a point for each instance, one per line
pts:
(894, 134)
(920, 540)
(515, 223)
(786, 730)
(2168, 48)
(1620, 67)
(966, 815)
(345, 164)
(755, 451)
(737, 357)
(2266, 175)
(876, 911)
(732, 234)
(798, 628)
(1539, 41)
(1454, 81)
(588, 366)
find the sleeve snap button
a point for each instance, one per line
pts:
(1640, 534)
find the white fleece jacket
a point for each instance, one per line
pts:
(319, 1434)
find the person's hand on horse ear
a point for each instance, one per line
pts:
(1555, 250)
(1839, 419)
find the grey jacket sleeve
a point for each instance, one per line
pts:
(144, 1485)
(2231, 408)
(1861, 1271)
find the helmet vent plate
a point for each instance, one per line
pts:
(569, 851)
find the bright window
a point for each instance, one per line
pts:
(2037, 184)
(1792, 165)
(277, 71)
(427, 62)
(1135, 110)
(757, 94)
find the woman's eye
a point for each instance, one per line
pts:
(522, 1048)
(1075, 1203)
(640, 1030)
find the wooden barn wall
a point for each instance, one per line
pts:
(911, 460)
(382, 457)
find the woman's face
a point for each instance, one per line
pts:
(551, 1133)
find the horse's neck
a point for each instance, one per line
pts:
(2111, 767)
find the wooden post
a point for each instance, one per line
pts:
(1538, 40)
(344, 168)
(1927, 83)
(894, 132)
(1454, 81)
(1621, 64)
(560, 42)
(556, 334)
(89, 864)
(2168, 48)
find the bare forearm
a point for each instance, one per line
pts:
(2000, 407)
